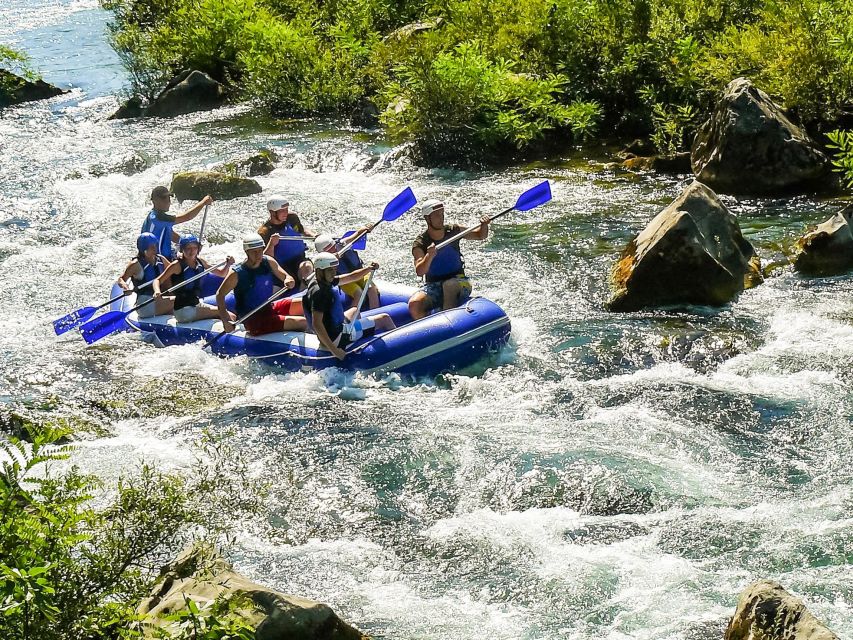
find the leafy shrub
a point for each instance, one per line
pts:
(842, 143)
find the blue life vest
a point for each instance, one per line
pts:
(188, 295)
(447, 263)
(253, 286)
(162, 229)
(149, 273)
(349, 262)
(289, 250)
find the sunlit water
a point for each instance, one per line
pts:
(606, 476)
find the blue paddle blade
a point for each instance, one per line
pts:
(73, 319)
(103, 325)
(534, 196)
(360, 244)
(404, 201)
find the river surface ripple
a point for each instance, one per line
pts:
(607, 476)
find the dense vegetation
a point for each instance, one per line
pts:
(474, 78)
(73, 566)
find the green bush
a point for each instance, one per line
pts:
(842, 143)
(69, 570)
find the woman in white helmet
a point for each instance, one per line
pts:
(325, 313)
(348, 262)
(252, 283)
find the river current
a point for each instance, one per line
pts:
(605, 476)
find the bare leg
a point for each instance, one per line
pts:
(372, 297)
(294, 323)
(419, 305)
(164, 306)
(451, 290)
(383, 322)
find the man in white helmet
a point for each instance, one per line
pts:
(348, 262)
(252, 282)
(324, 311)
(282, 224)
(444, 271)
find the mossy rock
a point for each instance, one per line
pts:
(258, 164)
(195, 185)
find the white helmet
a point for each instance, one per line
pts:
(277, 202)
(324, 260)
(253, 241)
(429, 206)
(322, 242)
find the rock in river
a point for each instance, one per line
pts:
(15, 89)
(194, 185)
(692, 252)
(749, 146)
(765, 611)
(828, 249)
(201, 575)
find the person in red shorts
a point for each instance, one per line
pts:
(252, 284)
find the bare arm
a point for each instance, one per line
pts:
(358, 274)
(221, 271)
(481, 232)
(271, 245)
(170, 271)
(224, 289)
(125, 279)
(323, 336)
(281, 274)
(193, 211)
(423, 260)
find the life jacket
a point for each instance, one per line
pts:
(333, 319)
(253, 286)
(162, 229)
(289, 250)
(349, 262)
(149, 273)
(447, 263)
(188, 295)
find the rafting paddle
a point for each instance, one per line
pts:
(112, 321)
(360, 243)
(401, 203)
(533, 197)
(361, 299)
(203, 222)
(81, 315)
(277, 294)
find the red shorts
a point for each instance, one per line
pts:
(269, 319)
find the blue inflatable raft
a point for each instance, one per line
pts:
(442, 342)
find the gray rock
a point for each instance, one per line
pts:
(765, 611)
(258, 164)
(130, 108)
(692, 252)
(749, 146)
(194, 185)
(129, 165)
(675, 164)
(14, 89)
(828, 249)
(202, 576)
(187, 92)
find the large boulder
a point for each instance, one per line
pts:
(194, 185)
(199, 574)
(258, 164)
(765, 611)
(14, 89)
(828, 249)
(692, 252)
(749, 146)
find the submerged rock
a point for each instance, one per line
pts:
(194, 185)
(678, 163)
(765, 611)
(14, 89)
(828, 249)
(749, 146)
(692, 252)
(201, 575)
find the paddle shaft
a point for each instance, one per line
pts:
(203, 222)
(277, 294)
(362, 297)
(462, 234)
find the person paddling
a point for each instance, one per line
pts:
(188, 306)
(446, 285)
(324, 310)
(146, 267)
(348, 262)
(290, 254)
(160, 222)
(252, 283)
